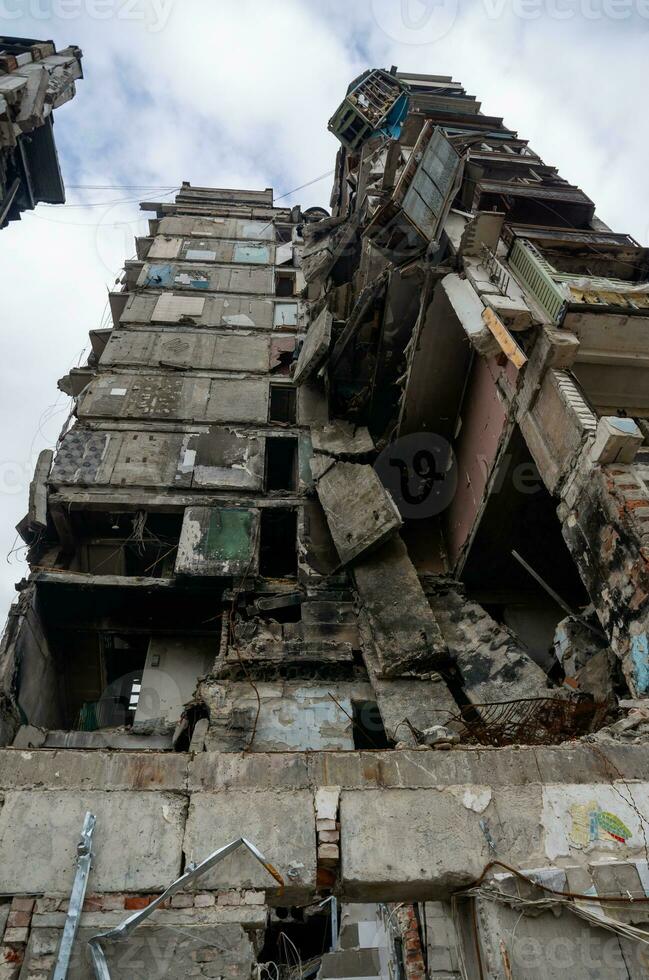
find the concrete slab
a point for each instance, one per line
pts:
(315, 349)
(360, 512)
(155, 949)
(404, 629)
(280, 823)
(39, 833)
(423, 844)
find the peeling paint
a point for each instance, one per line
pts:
(477, 799)
(571, 818)
(640, 658)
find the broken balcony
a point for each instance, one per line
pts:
(560, 293)
(413, 217)
(607, 315)
(375, 100)
(108, 667)
(548, 201)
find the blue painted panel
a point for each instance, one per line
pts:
(396, 117)
(252, 254)
(640, 658)
(159, 275)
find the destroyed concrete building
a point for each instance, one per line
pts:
(35, 79)
(344, 551)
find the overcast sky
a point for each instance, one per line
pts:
(238, 93)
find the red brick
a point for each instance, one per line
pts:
(326, 878)
(136, 902)
(12, 955)
(19, 920)
(111, 903)
(93, 903)
(22, 904)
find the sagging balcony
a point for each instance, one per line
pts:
(376, 101)
(548, 200)
(608, 315)
(560, 292)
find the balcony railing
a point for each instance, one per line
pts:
(557, 291)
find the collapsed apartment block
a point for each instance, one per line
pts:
(35, 79)
(338, 578)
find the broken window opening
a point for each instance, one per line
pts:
(292, 930)
(134, 545)
(283, 234)
(283, 404)
(115, 671)
(285, 283)
(85, 657)
(191, 717)
(520, 516)
(278, 543)
(368, 729)
(281, 465)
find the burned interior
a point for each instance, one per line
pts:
(343, 552)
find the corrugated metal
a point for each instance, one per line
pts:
(429, 195)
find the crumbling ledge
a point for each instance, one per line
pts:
(414, 823)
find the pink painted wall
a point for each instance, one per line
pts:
(483, 423)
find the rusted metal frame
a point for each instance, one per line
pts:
(193, 872)
(529, 721)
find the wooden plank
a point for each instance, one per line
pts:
(505, 340)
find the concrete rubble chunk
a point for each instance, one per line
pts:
(617, 440)
(493, 665)
(469, 308)
(360, 512)
(404, 629)
(315, 348)
(341, 438)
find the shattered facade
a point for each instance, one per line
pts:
(35, 79)
(344, 551)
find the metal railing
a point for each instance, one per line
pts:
(536, 274)
(554, 290)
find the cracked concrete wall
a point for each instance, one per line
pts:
(492, 663)
(603, 513)
(413, 823)
(202, 940)
(291, 715)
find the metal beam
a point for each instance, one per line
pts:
(84, 863)
(193, 872)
